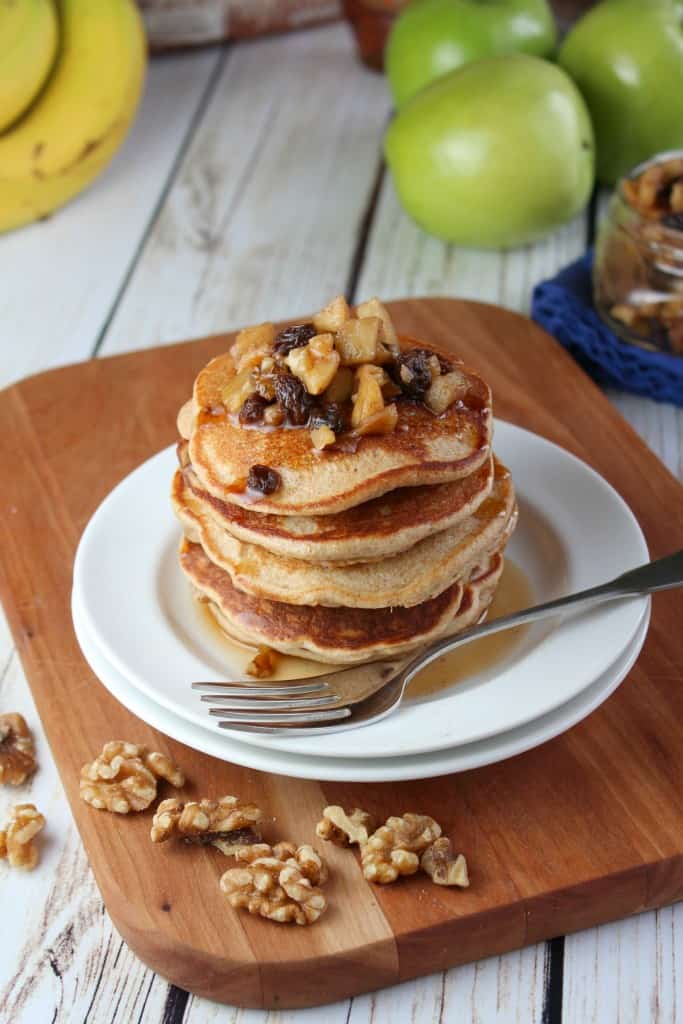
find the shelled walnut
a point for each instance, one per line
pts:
(342, 829)
(443, 866)
(394, 848)
(225, 823)
(16, 839)
(282, 885)
(17, 760)
(124, 777)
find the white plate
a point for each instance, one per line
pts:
(574, 531)
(335, 769)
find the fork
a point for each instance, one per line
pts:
(358, 696)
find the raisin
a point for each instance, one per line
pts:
(293, 337)
(331, 415)
(263, 479)
(415, 382)
(445, 365)
(673, 220)
(252, 410)
(293, 397)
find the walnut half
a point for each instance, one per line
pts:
(17, 760)
(281, 883)
(16, 839)
(225, 823)
(443, 866)
(124, 777)
(394, 848)
(342, 829)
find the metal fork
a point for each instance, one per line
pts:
(363, 694)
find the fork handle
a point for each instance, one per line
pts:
(662, 574)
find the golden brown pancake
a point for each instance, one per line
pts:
(338, 635)
(365, 533)
(423, 449)
(404, 580)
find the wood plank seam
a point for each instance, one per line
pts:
(357, 260)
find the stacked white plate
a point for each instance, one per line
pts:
(140, 630)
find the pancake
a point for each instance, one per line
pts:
(366, 533)
(422, 449)
(338, 635)
(404, 580)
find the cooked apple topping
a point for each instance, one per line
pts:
(333, 316)
(315, 364)
(357, 341)
(340, 372)
(322, 437)
(263, 664)
(445, 389)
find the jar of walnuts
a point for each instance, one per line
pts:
(638, 273)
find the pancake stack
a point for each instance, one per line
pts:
(337, 489)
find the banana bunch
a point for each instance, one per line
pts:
(71, 77)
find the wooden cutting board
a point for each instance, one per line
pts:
(584, 829)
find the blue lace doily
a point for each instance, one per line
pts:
(564, 307)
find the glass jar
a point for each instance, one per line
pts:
(638, 271)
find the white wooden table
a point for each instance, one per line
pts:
(252, 186)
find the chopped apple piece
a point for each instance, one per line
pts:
(445, 390)
(341, 388)
(315, 364)
(381, 423)
(322, 437)
(238, 390)
(373, 307)
(333, 316)
(252, 345)
(357, 341)
(368, 399)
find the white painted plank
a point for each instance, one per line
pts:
(202, 1011)
(498, 990)
(263, 217)
(658, 423)
(60, 276)
(628, 971)
(401, 260)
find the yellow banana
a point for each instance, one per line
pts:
(83, 114)
(28, 45)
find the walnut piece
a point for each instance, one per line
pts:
(443, 866)
(281, 883)
(393, 849)
(124, 777)
(17, 759)
(225, 823)
(16, 839)
(342, 829)
(263, 664)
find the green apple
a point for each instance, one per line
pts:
(494, 154)
(432, 37)
(626, 56)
